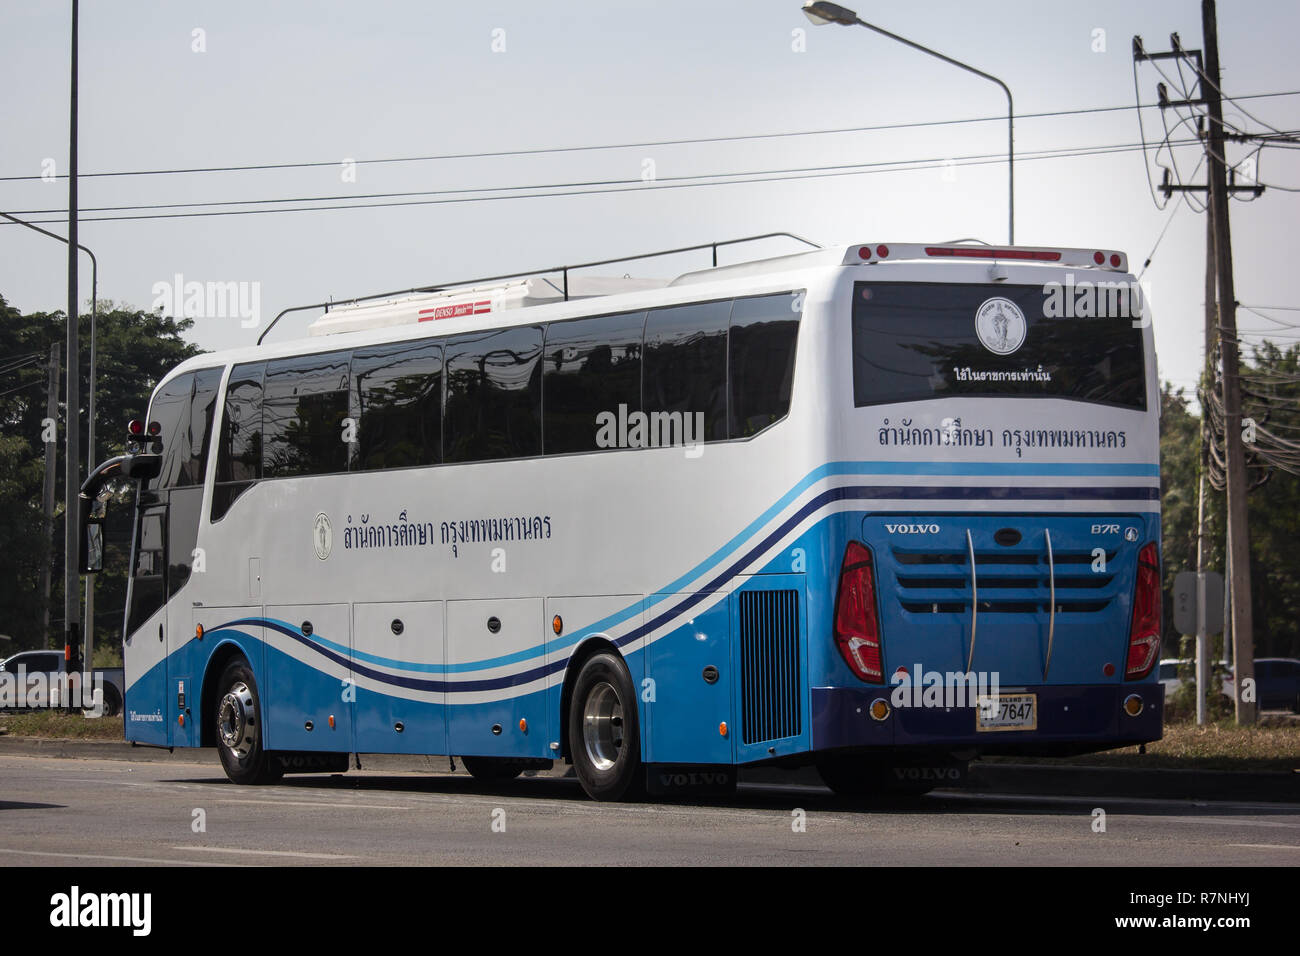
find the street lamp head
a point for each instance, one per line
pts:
(820, 12)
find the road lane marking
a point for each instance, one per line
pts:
(317, 803)
(1266, 846)
(118, 859)
(230, 849)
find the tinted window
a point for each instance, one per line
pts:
(761, 360)
(494, 395)
(919, 340)
(590, 366)
(397, 401)
(171, 410)
(239, 450)
(194, 443)
(304, 403)
(686, 365)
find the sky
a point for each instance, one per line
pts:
(166, 85)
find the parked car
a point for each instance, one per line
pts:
(1277, 684)
(52, 662)
(1169, 679)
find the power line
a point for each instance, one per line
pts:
(617, 186)
(636, 145)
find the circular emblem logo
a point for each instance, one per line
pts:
(1000, 325)
(1130, 534)
(323, 536)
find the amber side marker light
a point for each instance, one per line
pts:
(722, 728)
(198, 631)
(879, 709)
(523, 725)
(1133, 705)
(557, 624)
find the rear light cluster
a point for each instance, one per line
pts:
(857, 625)
(1144, 634)
(986, 252)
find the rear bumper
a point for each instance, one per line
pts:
(1070, 717)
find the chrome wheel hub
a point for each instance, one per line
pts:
(602, 726)
(236, 721)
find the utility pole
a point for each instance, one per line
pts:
(1221, 327)
(47, 497)
(1207, 378)
(72, 473)
(1239, 530)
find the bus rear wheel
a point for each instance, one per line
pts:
(238, 728)
(604, 730)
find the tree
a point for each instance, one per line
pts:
(134, 350)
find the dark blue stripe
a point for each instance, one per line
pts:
(849, 493)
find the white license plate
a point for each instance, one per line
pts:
(1007, 712)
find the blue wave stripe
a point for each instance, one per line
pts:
(337, 652)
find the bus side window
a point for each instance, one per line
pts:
(590, 366)
(171, 410)
(397, 405)
(761, 348)
(686, 365)
(304, 403)
(494, 395)
(239, 444)
(193, 449)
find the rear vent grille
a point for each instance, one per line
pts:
(769, 665)
(938, 582)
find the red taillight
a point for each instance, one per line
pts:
(882, 251)
(857, 629)
(136, 427)
(1099, 257)
(155, 429)
(1144, 635)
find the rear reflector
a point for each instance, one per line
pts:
(1144, 634)
(857, 628)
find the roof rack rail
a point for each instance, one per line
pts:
(564, 270)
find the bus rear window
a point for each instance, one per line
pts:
(921, 340)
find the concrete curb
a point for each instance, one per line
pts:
(1005, 778)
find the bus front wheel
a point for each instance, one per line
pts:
(238, 724)
(604, 730)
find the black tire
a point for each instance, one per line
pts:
(237, 727)
(493, 769)
(861, 777)
(606, 749)
(112, 701)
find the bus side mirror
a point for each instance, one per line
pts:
(91, 559)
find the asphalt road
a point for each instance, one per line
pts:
(95, 812)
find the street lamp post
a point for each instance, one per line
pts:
(820, 13)
(90, 453)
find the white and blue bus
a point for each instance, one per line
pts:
(877, 508)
